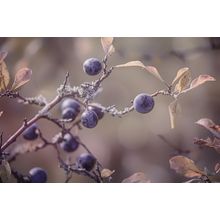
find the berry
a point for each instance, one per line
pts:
(89, 119)
(70, 103)
(86, 161)
(92, 66)
(38, 175)
(69, 144)
(69, 113)
(143, 103)
(97, 109)
(31, 133)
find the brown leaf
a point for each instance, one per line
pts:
(183, 82)
(199, 81)
(106, 173)
(174, 109)
(137, 178)
(181, 72)
(107, 45)
(4, 76)
(151, 69)
(185, 166)
(3, 55)
(210, 125)
(21, 78)
(5, 171)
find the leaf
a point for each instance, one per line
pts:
(209, 143)
(107, 45)
(217, 168)
(3, 55)
(1, 112)
(106, 173)
(21, 78)
(5, 171)
(181, 72)
(4, 76)
(199, 81)
(183, 82)
(210, 125)
(151, 69)
(174, 109)
(137, 178)
(185, 166)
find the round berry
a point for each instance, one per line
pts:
(69, 113)
(89, 119)
(143, 103)
(70, 103)
(69, 143)
(38, 175)
(97, 109)
(86, 161)
(92, 66)
(31, 133)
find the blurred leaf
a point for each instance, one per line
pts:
(137, 178)
(210, 125)
(185, 166)
(21, 78)
(217, 168)
(199, 81)
(5, 171)
(151, 69)
(3, 55)
(1, 113)
(105, 173)
(183, 82)
(181, 72)
(174, 109)
(4, 76)
(107, 45)
(209, 143)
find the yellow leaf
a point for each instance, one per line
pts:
(107, 45)
(105, 173)
(183, 82)
(21, 78)
(4, 76)
(181, 72)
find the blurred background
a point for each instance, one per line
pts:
(132, 143)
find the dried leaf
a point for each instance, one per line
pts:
(3, 55)
(185, 166)
(4, 76)
(137, 178)
(210, 125)
(5, 171)
(183, 82)
(181, 72)
(199, 81)
(21, 78)
(106, 173)
(107, 45)
(174, 109)
(151, 69)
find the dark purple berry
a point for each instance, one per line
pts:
(97, 109)
(31, 133)
(38, 175)
(143, 103)
(92, 66)
(69, 143)
(70, 103)
(89, 119)
(69, 113)
(86, 161)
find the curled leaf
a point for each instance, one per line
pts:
(21, 78)
(185, 166)
(210, 125)
(107, 45)
(137, 178)
(174, 109)
(199, 81)
(106, 173)
(151, 69)
(4, 76)
(183, 82)
(5, 171)
(3, 55)
(181, 72)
